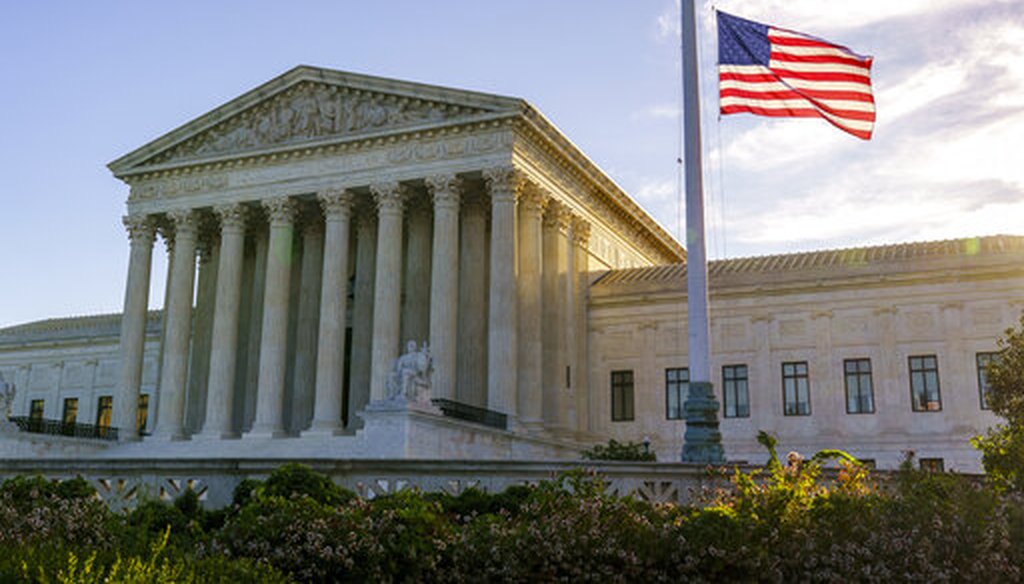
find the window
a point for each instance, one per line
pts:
(70, 415)
(622, 396)
(983, 361)
(142, 417)
(677, 385)
(924, 384)
(36, 409)
(933, 465)
(735, 398)
(104, 409)
(796, 392)
(860, 397)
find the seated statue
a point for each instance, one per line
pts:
(409, 379)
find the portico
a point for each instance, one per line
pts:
(346, 215)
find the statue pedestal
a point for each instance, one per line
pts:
(397, 429)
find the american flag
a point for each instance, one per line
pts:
(776, 72)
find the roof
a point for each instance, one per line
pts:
(72, 328)
(835, 261)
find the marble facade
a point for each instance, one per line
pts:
(357, 214)
(319, 222)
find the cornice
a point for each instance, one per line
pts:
(632, 222)
(317, 148)
(123, 166)
(591, 174)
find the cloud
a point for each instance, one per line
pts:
(658, 112)
(816, 16)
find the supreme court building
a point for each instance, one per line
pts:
(319, 223)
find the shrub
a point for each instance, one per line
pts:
(616, 450)
(294, 479)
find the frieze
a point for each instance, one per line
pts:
(401, 152)
(309, 112)
(182, 185)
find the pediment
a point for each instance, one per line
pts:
(312, 106)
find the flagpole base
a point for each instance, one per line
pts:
(702, 442)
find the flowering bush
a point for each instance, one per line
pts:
(787, 522)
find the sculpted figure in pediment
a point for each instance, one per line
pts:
(307, 112)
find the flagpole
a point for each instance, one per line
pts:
(702, 441)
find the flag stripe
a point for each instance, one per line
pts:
(772, 83)
(859, 101)
(781, 73)
(784, 67)
(795, 75)
(839, 109)
(819, 58)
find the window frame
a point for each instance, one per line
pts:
(37, 410)
(623, 387)
(921, 373)
(981, 371)
(859, 375)
(726, 387)
(796, 377)
(679, 388)
(73, 402)
(142, 414)
(104, 411)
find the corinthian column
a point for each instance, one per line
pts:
(362, 314)
(224, 343)
(141, 232)
(174, 372)
(274, 337)
(581, 267)
(531, 348)
(388, 285)
(471, 377)
(330, 360)
(444, 283)
(556, 222)
(504, 184)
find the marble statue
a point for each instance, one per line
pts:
(409, 379)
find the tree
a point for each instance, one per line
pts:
(1002, 447)
(1006, 377)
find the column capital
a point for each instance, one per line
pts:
(580, 231)
(280, 210)
(232, 216)
(389, 197)
(534, 198)
(445, 189)
(474, 203)
(557, 216)
(166, 231)
(335, 202)
(186, 222)
(141, 228)
(504, 182)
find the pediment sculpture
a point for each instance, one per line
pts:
(307, 112)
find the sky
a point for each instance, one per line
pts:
(86, 82)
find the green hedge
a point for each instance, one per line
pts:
(782, 524)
